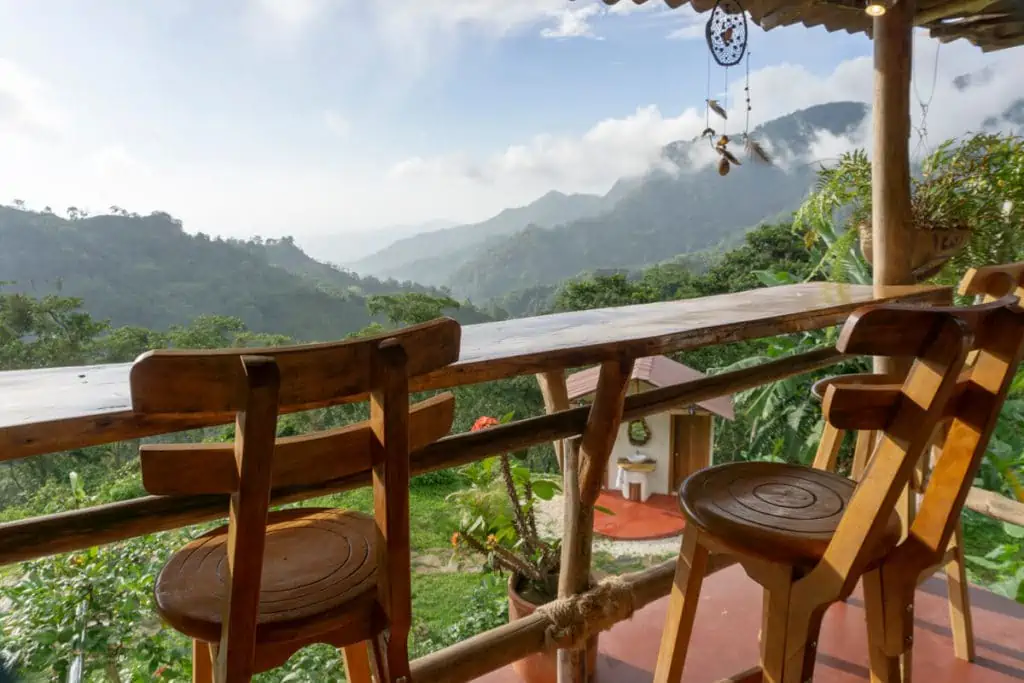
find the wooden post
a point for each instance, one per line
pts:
(568, 660)
(556, 398)
(596, 445)
(891, 216)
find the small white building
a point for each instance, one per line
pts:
(653, 455)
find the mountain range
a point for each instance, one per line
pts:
(681, 205)
(147, 271)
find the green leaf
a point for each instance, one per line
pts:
(983, 562)
(545, 489)
(1013, 531)
(602, 508)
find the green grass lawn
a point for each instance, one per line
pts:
(431, 519)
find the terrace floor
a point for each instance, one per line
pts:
(659, 517)
(729, 616)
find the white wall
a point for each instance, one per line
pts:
(657, 449)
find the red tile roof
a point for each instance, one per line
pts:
(660, 371)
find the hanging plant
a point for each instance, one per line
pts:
(639, 432)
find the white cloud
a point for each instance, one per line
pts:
(289, 15)
(27, 105)
(573, 23)
(337, 124)
(689, 25)
(616, 147)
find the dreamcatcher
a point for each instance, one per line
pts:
(726, 34)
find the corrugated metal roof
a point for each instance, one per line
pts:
(659, 371)
(989, 24)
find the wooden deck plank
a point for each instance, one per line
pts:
(45, 410)
(729, 617)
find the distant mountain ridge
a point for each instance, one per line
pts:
(417, 257)
(345, 248)
(146, 271)
(668, 211)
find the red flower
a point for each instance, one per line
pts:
(483, 422)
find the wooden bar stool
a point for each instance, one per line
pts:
(808, 535)
(957, 585)
(252, 593)
(889, 587)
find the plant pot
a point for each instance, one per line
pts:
(540, 667)
(929, 249)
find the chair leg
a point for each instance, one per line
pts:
(774, 623)
(202, 663)
(861, 454)
(682, 607)
(958, 588)
(357, 663)
(828, 448)
(390, 657)
(888, 664)
(789, 629)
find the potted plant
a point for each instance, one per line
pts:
(965, 190)
(498, 512)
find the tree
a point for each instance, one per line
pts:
(602, 292)
(218, 332)
(45, 332)
(18, 203)
(410, 308)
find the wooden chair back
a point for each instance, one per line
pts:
(258, 385)
(906, 415)
(993, 282)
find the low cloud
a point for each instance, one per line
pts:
(618, 147)
(27, 105)
(336, 124)
(573, 23)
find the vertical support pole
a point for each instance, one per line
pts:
(595, 447)
(568, 660)
(556, 397)
(890, 166)
(891, 214)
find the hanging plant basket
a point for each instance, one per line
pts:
(639, 432)
(930, 247)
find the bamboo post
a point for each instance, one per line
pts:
(891, 214)
(568, 659)
(556, 397)
(596, 445)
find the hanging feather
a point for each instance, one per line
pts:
(708, 133)
(723, 141)
(717, 108)
(757, 152)
(723, 166)
(729, 155)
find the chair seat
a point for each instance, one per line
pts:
(775, 511)
(319, 573)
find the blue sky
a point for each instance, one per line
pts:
(325, 116)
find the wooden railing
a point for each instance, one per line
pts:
(83, 528)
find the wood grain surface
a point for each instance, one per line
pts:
(54, 409)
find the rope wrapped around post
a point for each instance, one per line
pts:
(573, 620)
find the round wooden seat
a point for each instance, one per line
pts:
(319, 571)
(783, 513)
(866, 378)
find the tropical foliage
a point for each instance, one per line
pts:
(498, 519)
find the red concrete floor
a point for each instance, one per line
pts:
(729, 618)
(659, 517)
